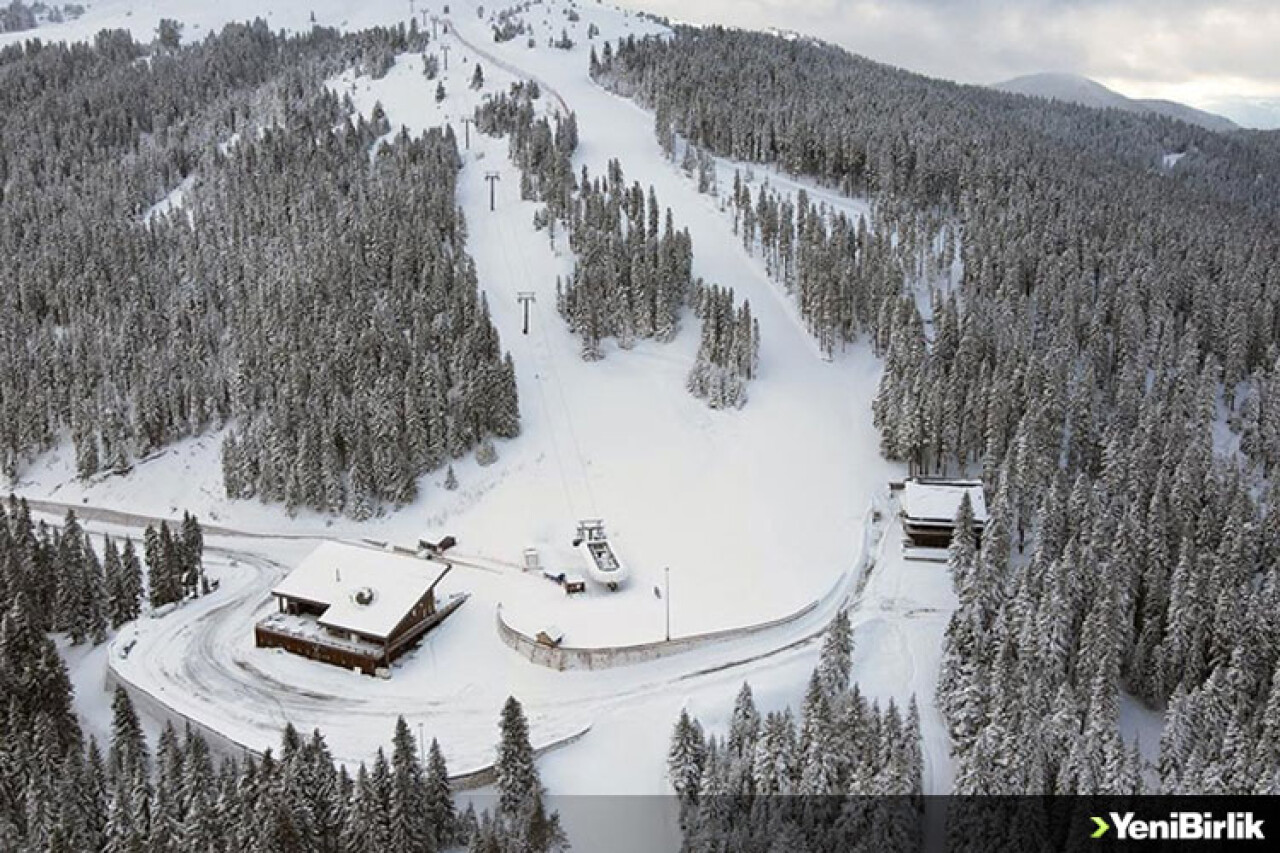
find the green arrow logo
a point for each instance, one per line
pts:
(1102, 825)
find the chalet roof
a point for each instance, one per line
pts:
(367, 591)
(939, 500)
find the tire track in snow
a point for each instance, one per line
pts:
(193, 652)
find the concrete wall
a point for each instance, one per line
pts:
(604, 657)
(847, 587)
(485, 776)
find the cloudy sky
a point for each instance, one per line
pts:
(1215, 55)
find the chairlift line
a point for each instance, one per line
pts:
(542, 394)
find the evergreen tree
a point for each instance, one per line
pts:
(686, 757)
(410, 831)
(836, 659)
(517, 777)
(441, 816)
(130, 582)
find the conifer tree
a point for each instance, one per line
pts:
(517, 777)
(836, 657)
(130, 582)
(409, 828)
(686, 757)
(440, 812)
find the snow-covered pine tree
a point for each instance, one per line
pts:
(192, 550)
(408, 812)
(835, 661)
(686, 757)
(440, 811)
(517, 777)
(486, 453)
(744, 725)
(729, 350)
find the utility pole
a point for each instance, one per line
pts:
(492, 178)
(467, 123)
(444, 48)
(525, 297)
(435, 26)
(667, 571)
(422, 745)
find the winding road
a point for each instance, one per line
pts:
(199, 662)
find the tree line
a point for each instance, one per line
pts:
(1093, 333)
(846, 776)
(60, 792)
(314, 297)
(68, 584)
(633, 271)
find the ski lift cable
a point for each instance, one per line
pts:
(533, 360)
(550, 363)
(564, 401)
(546, 405)
(556, 379)
(541, 332)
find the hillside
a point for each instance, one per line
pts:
(759, 511)
(1075, 89)
(1109, 344)
(460, 286)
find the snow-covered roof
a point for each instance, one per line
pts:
(367, 591)
(939, 500)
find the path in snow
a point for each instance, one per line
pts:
(199, 660)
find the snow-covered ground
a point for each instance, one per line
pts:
(199, 17)
(171, 202)
(751, 510)
(756, 512)
(200, 661)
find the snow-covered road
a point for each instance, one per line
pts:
(199, 661)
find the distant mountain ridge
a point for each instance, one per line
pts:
(1075, 89)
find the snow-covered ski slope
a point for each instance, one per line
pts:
(752, 510)
(756, 512)
(199, 17)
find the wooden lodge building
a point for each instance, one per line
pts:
(355, 607)
(929, 508)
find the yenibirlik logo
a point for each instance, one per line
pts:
(1181, 826)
